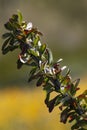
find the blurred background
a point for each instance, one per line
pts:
(64, 25)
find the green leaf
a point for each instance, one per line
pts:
(50, 56)
(5, 43)
(72, 116)
(36, 40)
(6, 35)
(36, 59)
(46, 79)
(33, 64)
(47, 99)
(56, 83)
(75, 126)
(31, 75)
(15, 17)
(19, 64)
(8, 26)
(33, 70)
(42, 48)
(34, 52)
(85, 92)
(51, 104)
(72, 90)
(11, 41)
(58, 100)
(64, 115)
(40, 81)
(76, 83)
(6, 50)
(85, 95)
(12, 48)
(20, 17)
(48, 88)
(63, 80)
(9, 48)
(82, 123)
(74, 86)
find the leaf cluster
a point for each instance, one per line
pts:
(48, 74)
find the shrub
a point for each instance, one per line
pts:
(48, 73)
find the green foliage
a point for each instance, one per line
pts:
(49, 74)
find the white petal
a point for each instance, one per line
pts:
(53, 70)
(29, 26)
(64, 67)
(28, 41)
(48, 70)
(40, 63)
(62, 88)
(22, 60)
(39, 43)
(59, 60)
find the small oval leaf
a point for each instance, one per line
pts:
(6, 35)
(8, 26)
(40, 81)
(5, 43)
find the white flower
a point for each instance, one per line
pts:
(64, 67)
(29, 41)
(59, 60)
(40, 63)
(49, 70)
(39, 43)
(53, 70)
(62, 88)
(24, 59)
(35, 51)
(29, 26)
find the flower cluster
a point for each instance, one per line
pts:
(49, 74)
